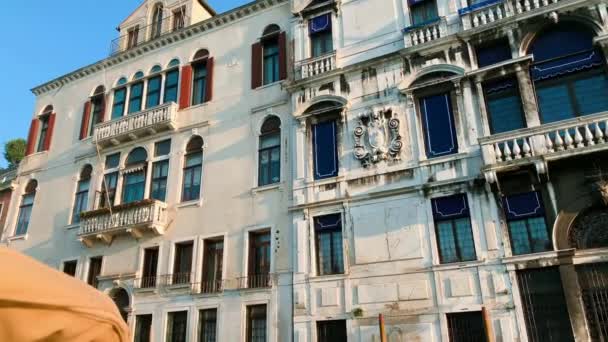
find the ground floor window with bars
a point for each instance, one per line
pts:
(143, 328)
(453, 229)
(331, 331)
(466, 327)
(207, 325)
(256, 323)
(593, 281)
(544, 305)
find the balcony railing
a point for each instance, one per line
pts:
(489, 11)
(133, 218)
(147, 33)
(133, 126)
(255, 281)
(316, 66)
(550, 141)
(425, 32)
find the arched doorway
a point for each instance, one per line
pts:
(122, 301)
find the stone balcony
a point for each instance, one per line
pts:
(134, 126)
(425, 32)
(133, 218)
(315, 66)
(538, 145)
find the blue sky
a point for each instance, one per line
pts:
(46, 39)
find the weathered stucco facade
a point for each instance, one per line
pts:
(439, 163)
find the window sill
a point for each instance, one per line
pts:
(269, 85)
(457, 265)
(196, 203)
(17, 238)
(325, 181)
(329, 277)
(444, 159)
(264, 188)
(200, 105)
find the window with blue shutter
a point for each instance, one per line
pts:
(325, 149)
(320, 32)
(525, 215)
(503, 104)
(438, 123)
(453, 229)
(423, 12)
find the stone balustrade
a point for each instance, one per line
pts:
(136, 125)
(132, 218)
(316, 66)
(425, 32)
(490, 11)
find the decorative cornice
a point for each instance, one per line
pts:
(162, 41)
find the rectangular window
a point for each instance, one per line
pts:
(171, 86)
(135, 97)
(495, 52)
(81, 200)
(438, 124)
(504, 106)
(132, 37)
(153, 93)
(44, 131)
(328, 241)
(593, 280)
(162, 148)
(108, 190)
(134, 186)
(182, 263)
(423, 12)
(256, 323)
(160, 172)
(544, 305)
(270, 159)
(177, 326)
(199, 83)
(193, 169)
(207, 325)
(466, 326)
(453, 229)
(178, 18)
(97, 113)
(325, 149)
(331, 331)
(271, 60)
(320, 32)
(94, 271)
(69, 267)
(259, 259)
(25, 213)
(149, 271)
(118, 108)
(143, 328)
(213, 257)
(527, 226)
(112, 161)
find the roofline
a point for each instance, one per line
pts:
(208, 7)
(203, 26)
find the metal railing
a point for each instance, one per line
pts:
(147, 33)
(255, 281)
(210, 286)
(148, 282)
(150, 213)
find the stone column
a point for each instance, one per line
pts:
(528, 97)
(300, 149)
(463, 122)
(415, 140)
(483, 112)
(574, 302)
(470, 113)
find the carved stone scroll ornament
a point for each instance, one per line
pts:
(377, 137)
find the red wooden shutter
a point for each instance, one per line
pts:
(49, 135)
(31, 137)
(185, 91)
(256, 65)
(282, 56)
(209, 90)
(86, 117)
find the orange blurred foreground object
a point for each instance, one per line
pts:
(38, 303)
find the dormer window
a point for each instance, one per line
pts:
(320, 31)
(132, 37)
(157, 21)
(179, 20)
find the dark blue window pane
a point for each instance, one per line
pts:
(153, 95)
(118, 108)
(162, 148)
(491, 54)
(592, 94)
(200, 84)
(134, 186)
(136, 97)
(160, 172)
(322, 43)
(325, 150)
(271, 62)
(422, 12)
(438, 122)
(171, 86)
(504, 106)
(554, 102)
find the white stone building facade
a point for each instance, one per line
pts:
(436, 162)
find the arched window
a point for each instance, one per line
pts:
(134, 179)
(96, 108)
(45, 130)
(82, 193)
(136, 93)
(120, 99)
(171, 81)
(155, 69)
(324, 132)
(157, 21)
(25, 209)
(193, 170)
(269, 153)
(569, 78)
(110, 181)
(268, 57)
(201, 68)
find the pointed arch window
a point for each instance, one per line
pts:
(193, 170)
(134, 179)
(120, 99)
(269, 153)
(82, 193)
(25, 209)
(157, 21)
(171, 81)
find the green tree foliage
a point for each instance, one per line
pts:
(14, 151)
